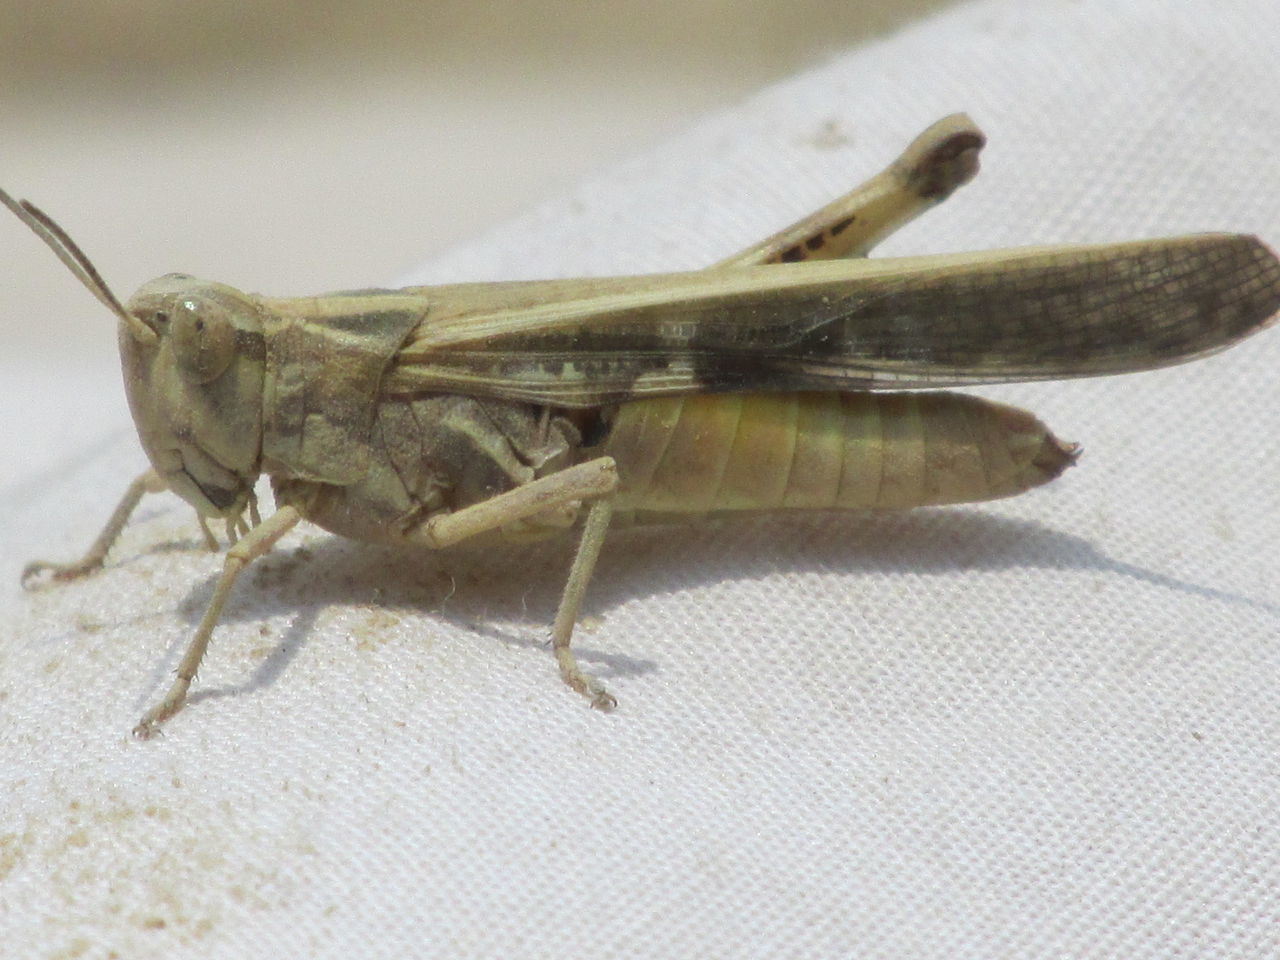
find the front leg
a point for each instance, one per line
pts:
(148, 482)
(595, 481)
(248, 548)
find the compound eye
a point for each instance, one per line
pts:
(204, 338)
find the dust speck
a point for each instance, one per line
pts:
(13, 850)
(76, 948)
(375, 630)
(829, 136)
(1221, 526)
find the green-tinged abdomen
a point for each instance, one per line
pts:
(713, 453)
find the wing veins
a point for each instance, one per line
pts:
(961, 319)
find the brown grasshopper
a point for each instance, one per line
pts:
(430, 415)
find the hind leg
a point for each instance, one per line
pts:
(932, 167)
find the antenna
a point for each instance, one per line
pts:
(44, 227)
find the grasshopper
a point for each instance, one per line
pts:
(796, 375)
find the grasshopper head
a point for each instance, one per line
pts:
(193, 359)
(194, 365)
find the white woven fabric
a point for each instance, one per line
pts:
(1042, 728)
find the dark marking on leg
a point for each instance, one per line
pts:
(791, 254)
(815, 242)
(948, 165)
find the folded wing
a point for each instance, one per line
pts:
(1030, 314)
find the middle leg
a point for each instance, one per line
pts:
(594, 481)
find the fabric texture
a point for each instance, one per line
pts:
(1043, 727)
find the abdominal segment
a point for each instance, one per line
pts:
(708, 454)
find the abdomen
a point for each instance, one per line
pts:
(714, 453)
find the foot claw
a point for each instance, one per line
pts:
(41, 572)
(587, 685)
(603, 700)
(146, 729)
(149, 725)
(591, 688)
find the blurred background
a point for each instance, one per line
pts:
(296, 146)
